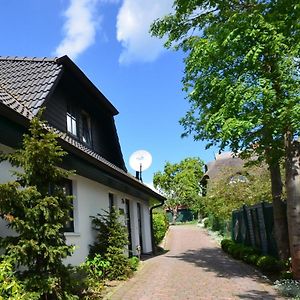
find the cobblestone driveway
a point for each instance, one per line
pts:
(193, 268)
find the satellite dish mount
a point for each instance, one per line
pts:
(140, 161)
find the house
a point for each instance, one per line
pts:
(84, 120)
(224, 162)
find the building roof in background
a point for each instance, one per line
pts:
(221, 162)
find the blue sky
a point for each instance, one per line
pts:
(109, 41)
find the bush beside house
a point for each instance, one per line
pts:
(160, 225)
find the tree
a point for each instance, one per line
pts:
(111, 240)
(235, 187)
(37, 209)
(179, 182)
(242, 80)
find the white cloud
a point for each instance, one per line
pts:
(79, 28)
(133, 24)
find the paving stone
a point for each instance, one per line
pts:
(194, 268)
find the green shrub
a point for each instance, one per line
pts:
(160, 226)
(269, 264)
(236, 250)
(225, 243)
(216, 224)
(251, 259)
(286, 275)
(37, 209)
(97, 267)
(111, 241)
(252, 256)
(10, 287)
(134, 263)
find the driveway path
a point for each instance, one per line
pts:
(194, 268)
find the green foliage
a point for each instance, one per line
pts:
(160, 226)
(111, 240)
(242, 82)
(215, 223)
(252, 256)
(224, 194)
(37, 209)
(97, 267)
(134, 263)
(11, 288)
(241, 73)
(179, 182)
(269, 264)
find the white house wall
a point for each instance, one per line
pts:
(90, 198)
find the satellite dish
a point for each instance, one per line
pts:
(140, 161)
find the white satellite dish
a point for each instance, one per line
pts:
(140, 160)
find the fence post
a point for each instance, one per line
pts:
(249, 223)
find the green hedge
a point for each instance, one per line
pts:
(252, 256)
(160, 226)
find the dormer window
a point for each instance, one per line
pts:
(71, 121)
(86, 128)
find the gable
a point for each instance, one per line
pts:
(27, 84)
(69, 94)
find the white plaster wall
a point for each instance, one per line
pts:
(146, 228)
(90, 198)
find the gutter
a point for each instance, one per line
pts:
(162, 202)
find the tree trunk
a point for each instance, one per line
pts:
(175, 213)
(293, 201)
(279, 212)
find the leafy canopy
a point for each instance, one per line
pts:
(241, 70)
(179, 182)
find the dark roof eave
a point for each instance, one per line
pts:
(111, 171)
(13, 115)
(69, 64)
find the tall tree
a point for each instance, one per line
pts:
(241, 79)
(180, 183)
(37, 209)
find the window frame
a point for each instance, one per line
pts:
(68, 190)
(111, 201)
(86, 128)
(72, 121)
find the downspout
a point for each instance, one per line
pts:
(151, 224)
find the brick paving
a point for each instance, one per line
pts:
(194, 268)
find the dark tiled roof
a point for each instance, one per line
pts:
(24, 86)
(28, 80)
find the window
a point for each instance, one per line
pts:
(86, 128)
(111, 201)
(71, 121)
(68, 190)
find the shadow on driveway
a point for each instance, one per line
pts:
(253, 294)
(215, 260)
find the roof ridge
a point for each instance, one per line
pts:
(29, 58)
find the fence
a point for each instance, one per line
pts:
(184, 215)
(254, 226)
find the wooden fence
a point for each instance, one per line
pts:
(254, 226)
